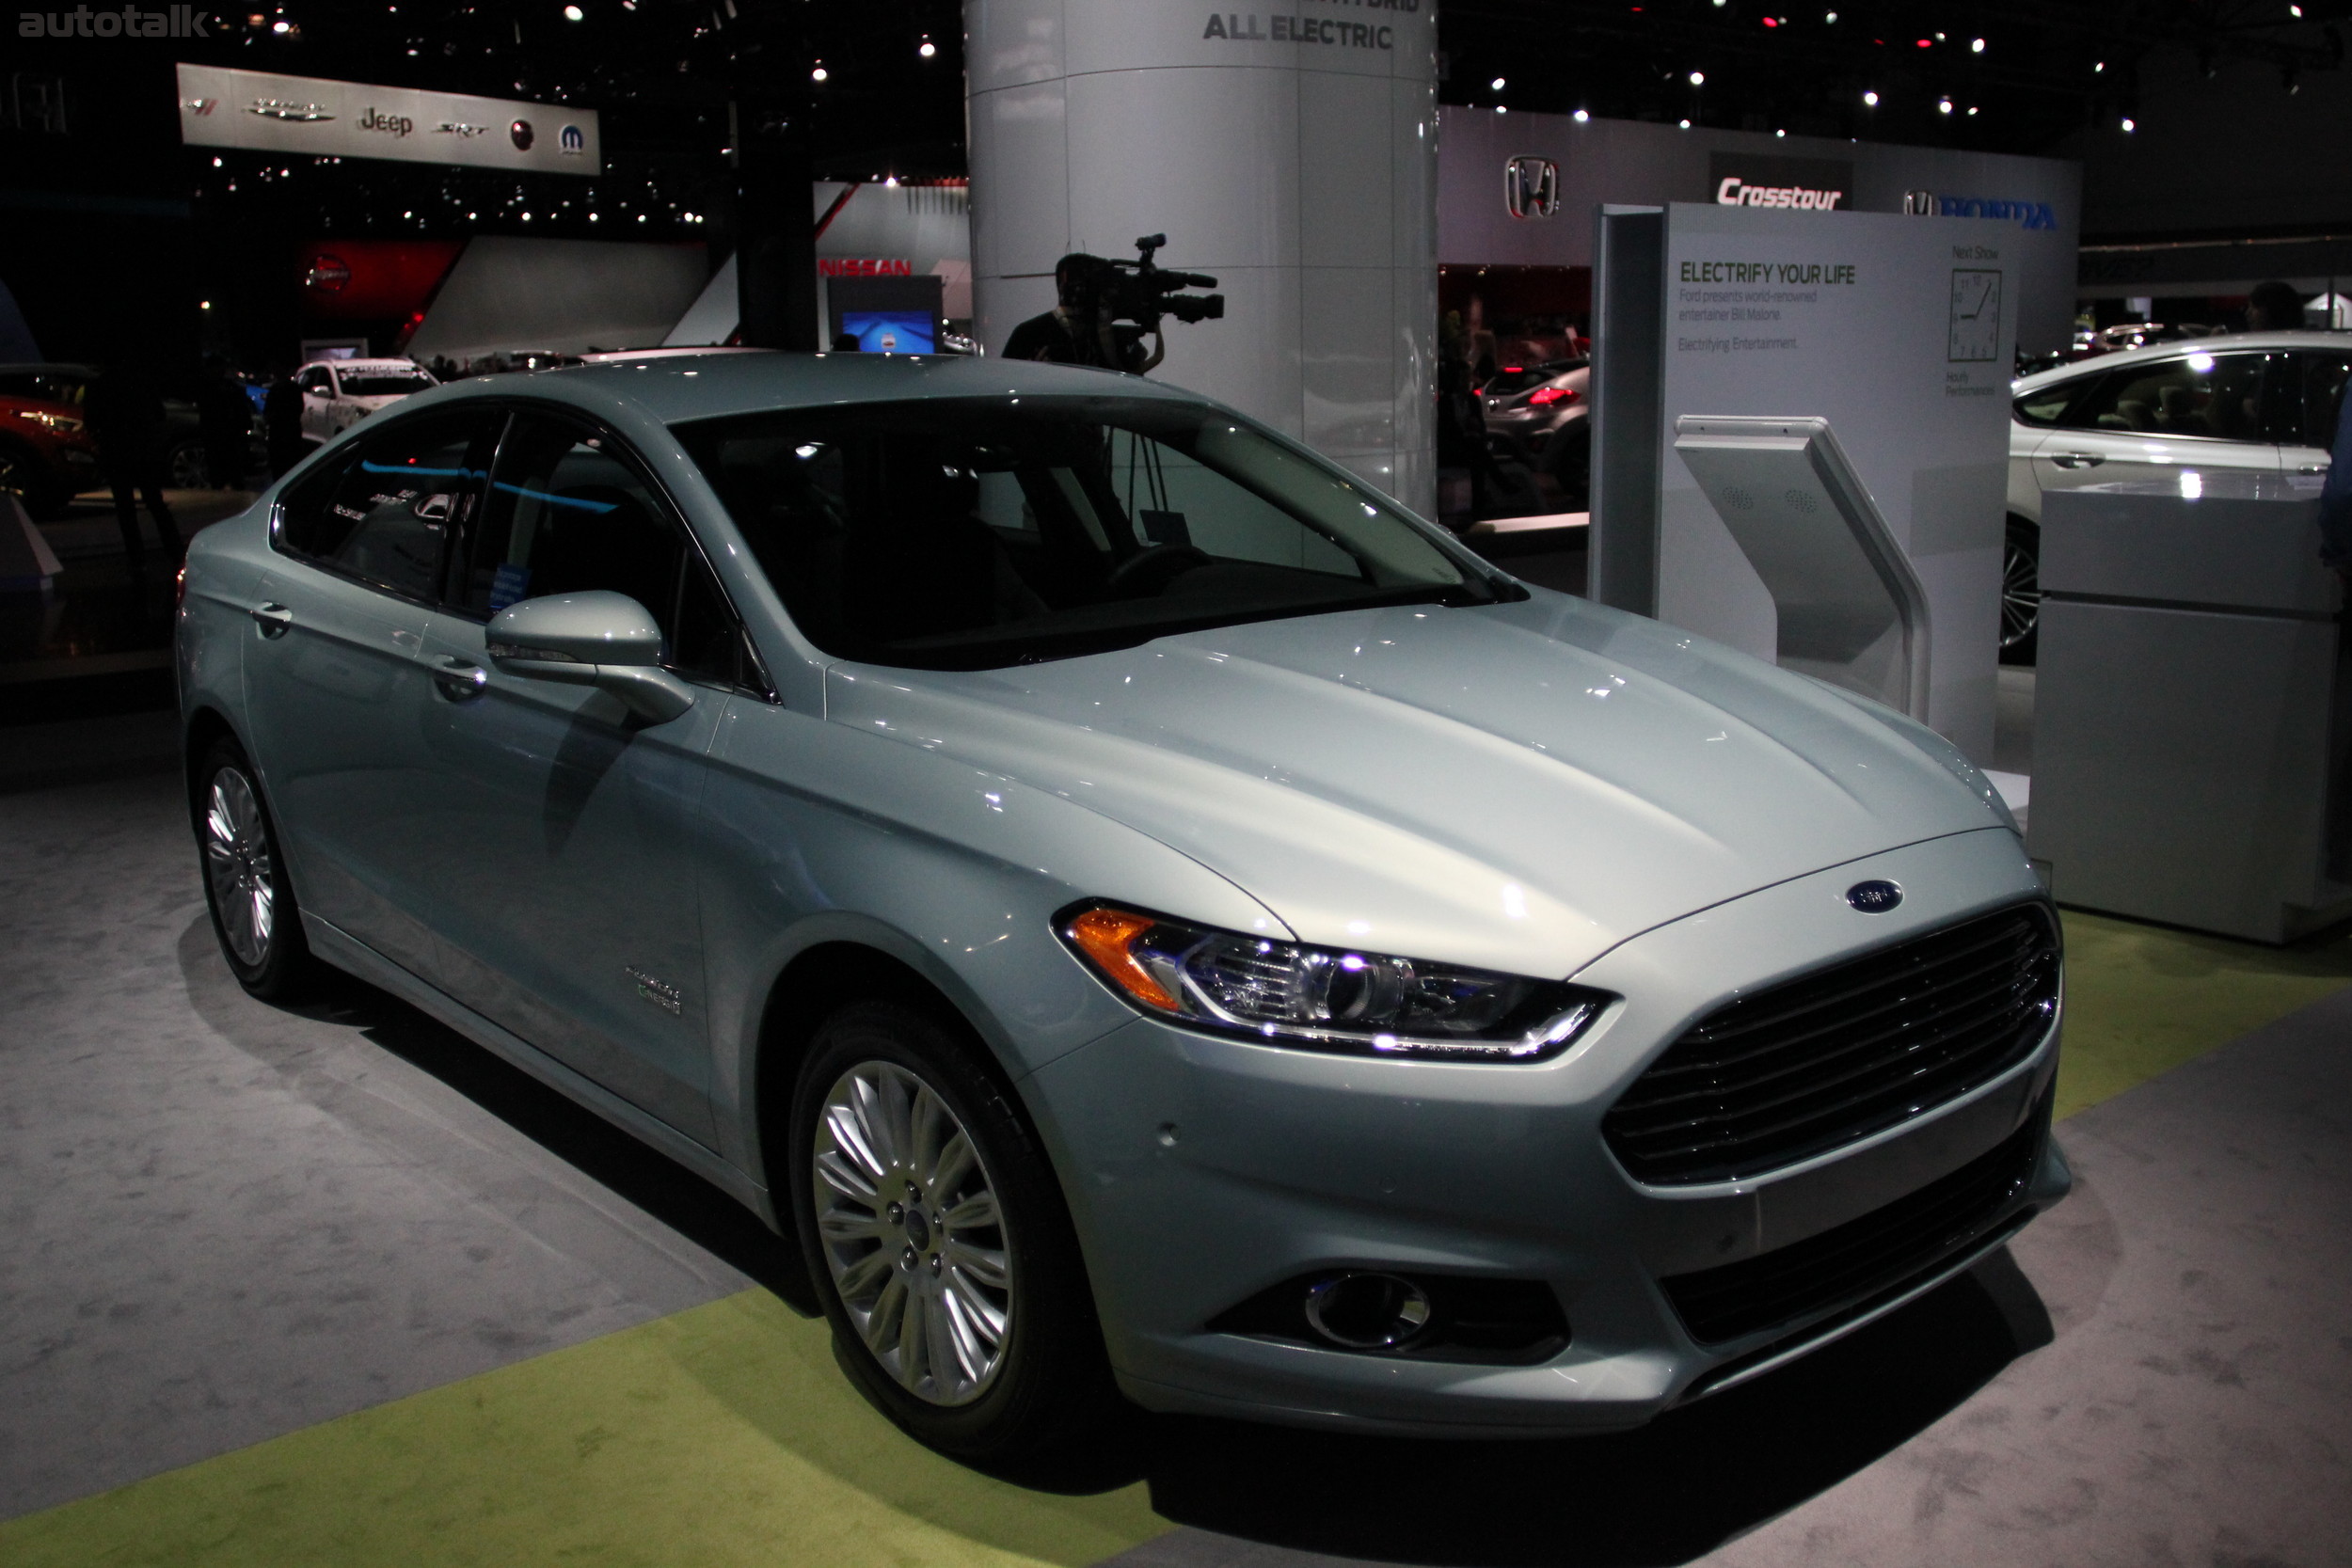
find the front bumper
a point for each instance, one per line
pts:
(1201, 1171)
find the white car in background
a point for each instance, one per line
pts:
(339, 393)
(2261, 401)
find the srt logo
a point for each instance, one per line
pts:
(1530, 187)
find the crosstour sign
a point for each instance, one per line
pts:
(311, 116)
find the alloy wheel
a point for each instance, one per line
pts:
(238, 861)
(2021, 594)
(912, 1234)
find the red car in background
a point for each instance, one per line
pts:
(46, 453)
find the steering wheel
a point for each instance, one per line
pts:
(1153, 568)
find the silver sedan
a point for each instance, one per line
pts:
(1150, 917)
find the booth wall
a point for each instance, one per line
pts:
(1917, 396)
(1301, 174)
(563, 295)
(1639, 164)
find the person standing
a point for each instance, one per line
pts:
(226, 415)
(2276, 305)
(282, 424)
(125, 409)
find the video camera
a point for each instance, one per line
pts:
(1118, 303)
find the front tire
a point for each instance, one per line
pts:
(935, 1233)
(254, 917)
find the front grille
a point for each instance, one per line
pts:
(1842, 1052)
(1875, 1255)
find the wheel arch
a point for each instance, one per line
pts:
(206, 727)
(817, 981)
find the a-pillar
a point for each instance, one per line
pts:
(1291, 153)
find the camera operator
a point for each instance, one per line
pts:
(1106, 308)
(1077, 330)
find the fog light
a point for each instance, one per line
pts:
(1367, 1311)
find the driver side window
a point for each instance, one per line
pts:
(570, 511)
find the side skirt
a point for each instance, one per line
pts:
(348, 953)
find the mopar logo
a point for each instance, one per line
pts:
(574, 142)
(392, 125)
(1874, 897)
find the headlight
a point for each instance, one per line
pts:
(1326, 998)
(65, 423)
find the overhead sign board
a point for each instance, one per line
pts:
(310, 117)
(1804, 184)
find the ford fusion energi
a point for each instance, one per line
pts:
(1150, 917)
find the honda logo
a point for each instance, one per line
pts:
(1530, 187)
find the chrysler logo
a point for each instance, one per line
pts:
(1531, 186)
(1874, 897)
(278, 109)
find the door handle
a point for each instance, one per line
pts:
(459, 680)
(272, 618)
(2077, 459)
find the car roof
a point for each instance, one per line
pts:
(708, 386)
(366, 364)
(2173, 348)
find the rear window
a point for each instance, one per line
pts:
(382, 384)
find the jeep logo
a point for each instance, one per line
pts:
(391, 125)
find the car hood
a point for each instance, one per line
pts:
(1515, 786)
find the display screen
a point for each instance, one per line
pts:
(889, 331)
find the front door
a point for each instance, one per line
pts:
(336, 689)
(570, 831)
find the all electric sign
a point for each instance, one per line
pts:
(314, 117)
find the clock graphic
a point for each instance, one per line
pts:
(1975, 314)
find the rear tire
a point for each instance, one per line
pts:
(254, 916)
(936, 1235)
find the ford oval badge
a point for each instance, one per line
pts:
(1874, 897)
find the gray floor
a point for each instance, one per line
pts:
(225, 1221)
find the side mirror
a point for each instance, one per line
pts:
(599, 639)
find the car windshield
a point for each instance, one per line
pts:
(974, 533)
(382, 384)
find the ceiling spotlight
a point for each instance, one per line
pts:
(1686, 125)
(573, 14)
(1871, 99)
(1771, 22)
(2296, 11)
(2129, 125)
(1943, 106)
(1831, 19)
(927, 49)
(281, 27)
(1698, 78)
(1579, 117)
(2100, 67)
(1975, 46)
(1972, 108)
(1780, 133)
(1496, 85)
(891, 182)
(818, 75)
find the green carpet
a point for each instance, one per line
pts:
(720, 1435)
(726, 1434)
(2140, 999)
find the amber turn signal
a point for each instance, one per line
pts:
(1107, 936)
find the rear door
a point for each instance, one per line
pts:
(337, 696)
(2309, 409)
(2151, 416)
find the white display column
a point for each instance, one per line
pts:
(1291, 153)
